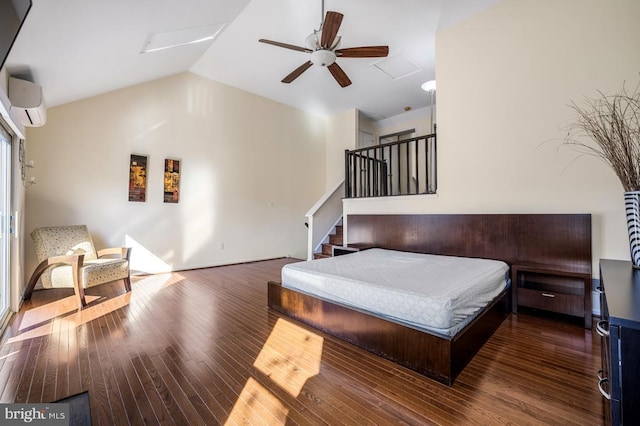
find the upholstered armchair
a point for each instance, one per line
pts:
(68, 258)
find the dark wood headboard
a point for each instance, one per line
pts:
(560, 240)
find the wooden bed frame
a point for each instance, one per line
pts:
(557, 240)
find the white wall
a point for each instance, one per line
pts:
(365, 123)
(342, 134)
(251, 168)
(505, 78)
(418, 119)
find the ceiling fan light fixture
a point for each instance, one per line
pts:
(323, 57)
(313, 40)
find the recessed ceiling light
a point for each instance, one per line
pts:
(170, 39)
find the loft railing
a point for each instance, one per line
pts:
(405, 167)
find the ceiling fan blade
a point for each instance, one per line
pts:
(363, 52)
(297, 72)
(285, 45)
(339, 75)
(330, 28)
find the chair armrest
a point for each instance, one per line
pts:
(75, 260)
(125, 252)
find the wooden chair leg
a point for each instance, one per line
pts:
(80, 299)
(28, 291)
(78, 289)
(76, 262)
(126, 254)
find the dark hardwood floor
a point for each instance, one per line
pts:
(201, 347)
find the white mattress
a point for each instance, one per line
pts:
(436, 293)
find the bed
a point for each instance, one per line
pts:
(433, 293)
(438, 350)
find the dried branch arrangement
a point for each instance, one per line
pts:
(613, 123)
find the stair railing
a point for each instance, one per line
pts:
(323, 216)
(405, 167)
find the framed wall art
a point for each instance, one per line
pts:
(171, 181)
(138, 178)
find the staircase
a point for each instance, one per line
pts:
(335, 239)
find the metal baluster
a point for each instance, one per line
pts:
(427, 165)
(376, 188)
(390, 169)
(434, 159)
(407, 168)
(360, 189)
(368, 171)
(354, 181)
(417, 168)
(347, 170)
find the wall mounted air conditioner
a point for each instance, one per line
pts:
(27, 102)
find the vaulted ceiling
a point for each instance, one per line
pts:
(76, 48)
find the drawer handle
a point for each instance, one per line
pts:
(599, 289)
(548, 295)
(602, 391)
(600, 328)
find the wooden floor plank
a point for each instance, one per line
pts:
(12, 370)
(122, 394)
(99, 392)
(201, 347)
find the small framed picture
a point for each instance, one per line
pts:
(138, 178)
(171, 181)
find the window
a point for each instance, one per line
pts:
(5, 219)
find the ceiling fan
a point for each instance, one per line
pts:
(323, 45)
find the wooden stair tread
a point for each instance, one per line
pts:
(335, 240)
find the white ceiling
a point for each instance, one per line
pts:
(80, 48)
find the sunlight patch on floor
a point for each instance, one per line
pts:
(290, 356)
(50, 319)
(63, 314)
(9, 355)
(36, 316)
(256, 405)
(152, 284)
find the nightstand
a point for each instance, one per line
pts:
(552, 289)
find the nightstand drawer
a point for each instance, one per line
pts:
(551, 301)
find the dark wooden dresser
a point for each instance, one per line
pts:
(619, 378)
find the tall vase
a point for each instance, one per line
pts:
(632, 207)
